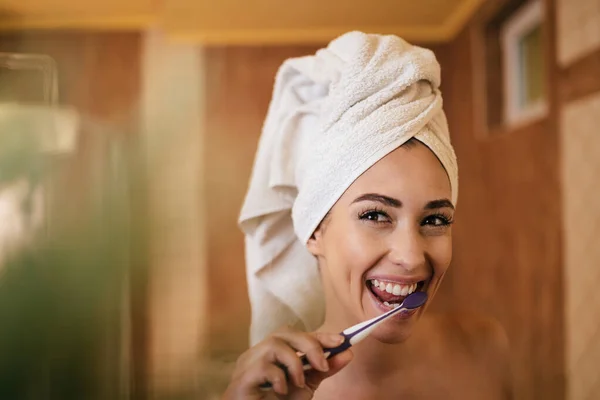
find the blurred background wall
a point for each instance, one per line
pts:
(193, 80)
(578, 41)
(65, 316)
(172, 114)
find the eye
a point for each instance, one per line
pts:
(375, 216)
(437, 220)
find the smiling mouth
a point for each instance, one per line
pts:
(391, 294)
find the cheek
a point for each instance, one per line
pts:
(353, 252)
(440, 252)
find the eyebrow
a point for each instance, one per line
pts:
(441, 203)
(391, 202)
(388, 201)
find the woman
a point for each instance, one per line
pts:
(349, 210)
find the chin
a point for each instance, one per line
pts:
(396, 330)
(391, 337)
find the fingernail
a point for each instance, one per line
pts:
(324, 365)
(339, 339)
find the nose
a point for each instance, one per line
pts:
(407, 249)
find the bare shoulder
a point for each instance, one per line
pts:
(485, 334)
(477, 333)
(484, 341)
(482, 337)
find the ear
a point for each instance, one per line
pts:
(315, 243)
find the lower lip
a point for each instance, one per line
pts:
(402, 315)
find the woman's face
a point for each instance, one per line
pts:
(387, 236)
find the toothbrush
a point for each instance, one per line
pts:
(357, 333)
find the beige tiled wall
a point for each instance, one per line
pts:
(580, 145)
(578, 25)
(172, 119)
(578, 34)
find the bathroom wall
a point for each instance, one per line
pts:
(507, 250)
(99, 75)
(528, 214)
(172, 121)
(144, 86)
(578, 28)
(580, 152)
(578, 54)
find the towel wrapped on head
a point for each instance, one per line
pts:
(332, 116)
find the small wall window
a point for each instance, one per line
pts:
(523, 65)
(510, 71)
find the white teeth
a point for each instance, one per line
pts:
(393, 305)
(395, 289)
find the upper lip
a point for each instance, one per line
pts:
(397, 279)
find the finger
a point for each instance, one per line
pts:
(336, 364)
(316, 355)
(280, 353)
(311, 345)
(339, 361)
(267, 373)
(329, 339)
(305, 393)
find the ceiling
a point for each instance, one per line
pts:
(247, 21)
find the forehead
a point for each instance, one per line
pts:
(409, 172)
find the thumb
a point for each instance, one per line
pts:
(336, 363)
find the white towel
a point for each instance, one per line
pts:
(332, 116)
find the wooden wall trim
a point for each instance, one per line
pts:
(209, 24)
(317, 35)
(556, 381)
(298, 37)
(94, 23)
(581, 78)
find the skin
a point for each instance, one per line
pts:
(394, 223)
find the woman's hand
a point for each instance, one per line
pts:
(269, 360)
